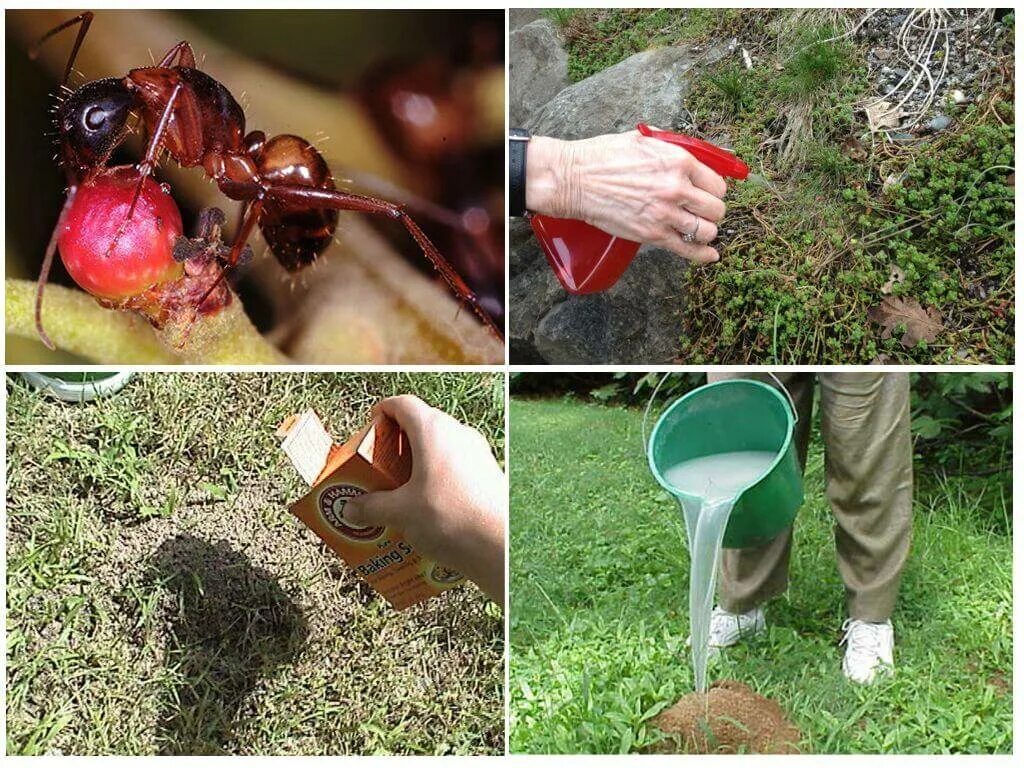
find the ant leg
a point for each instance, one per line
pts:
(240, 221)
(183, 51)
(247, 221)
(146, 166)
(313, 197)
(85, 19)
(44, 272)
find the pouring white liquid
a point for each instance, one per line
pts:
(716, 479)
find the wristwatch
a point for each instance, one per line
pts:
(517, 140)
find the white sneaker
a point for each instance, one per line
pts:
(868, 650)
(727, 629)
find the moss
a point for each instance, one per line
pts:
(600, 38)
(811, 249)
(807, 247)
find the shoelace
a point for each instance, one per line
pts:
(863, 637)
(720, 617)
(722, 620)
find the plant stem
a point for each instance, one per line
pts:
(79, 325)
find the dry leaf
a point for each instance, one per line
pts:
(882, 115)
(896, 277)
(854, 149)
(921, 324)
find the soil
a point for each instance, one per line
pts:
(729, 719)
(212, 616)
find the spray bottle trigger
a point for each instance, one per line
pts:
(721, 161)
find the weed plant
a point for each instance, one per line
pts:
(598, 626)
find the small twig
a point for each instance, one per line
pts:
(79, 325)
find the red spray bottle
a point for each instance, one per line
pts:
(587, 260)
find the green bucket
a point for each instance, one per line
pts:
(735, 415)
(78, 386)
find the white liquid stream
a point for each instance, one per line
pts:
(717, 480)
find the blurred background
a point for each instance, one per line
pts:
(405, 105)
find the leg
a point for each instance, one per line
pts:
(313, 197)
(84, 19)
(183, 51)
(146, 166)
(250, 214)
(44, 273)
(865, 421)
(751, 576)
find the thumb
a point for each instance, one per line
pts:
(377, 508)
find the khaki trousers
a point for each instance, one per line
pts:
(865, 425)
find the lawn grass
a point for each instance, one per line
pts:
(809, 245)
(598, 584)
(161, 599)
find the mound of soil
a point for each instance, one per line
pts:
(730, 718)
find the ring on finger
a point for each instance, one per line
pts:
(689, 237)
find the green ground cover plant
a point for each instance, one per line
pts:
(599, 570)
(849, 246)
(161, 599)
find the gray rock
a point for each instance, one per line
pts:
(649, 86)
(520, 17)
(640, 319)
(523, 249)
(533, 290)
(939, 123)
(538, 69)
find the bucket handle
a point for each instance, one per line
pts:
(654, 394)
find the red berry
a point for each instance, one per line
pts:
(142, 255)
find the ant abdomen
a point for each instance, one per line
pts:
(296, 234)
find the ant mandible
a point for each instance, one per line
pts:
(283, 182)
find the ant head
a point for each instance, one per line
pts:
(92, 120)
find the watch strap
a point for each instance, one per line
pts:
(517, 141)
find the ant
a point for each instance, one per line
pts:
(283, 182)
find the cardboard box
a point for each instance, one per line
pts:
(377, 458)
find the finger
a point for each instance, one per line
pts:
(372, 509)
(687, 223)
(408, 411)
(694, 252)
(706, 179)
(702, 203)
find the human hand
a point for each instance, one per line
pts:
(453, 507)
(630, 186)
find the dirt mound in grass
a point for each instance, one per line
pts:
(730, 718)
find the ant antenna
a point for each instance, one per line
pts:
(85, 19)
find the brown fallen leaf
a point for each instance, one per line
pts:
(853, 148)
(921, 324)
(882, 115)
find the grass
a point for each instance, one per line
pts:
(598, 572)
(600, 38)
(160, 598)
(805, 256)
